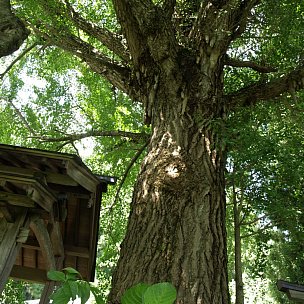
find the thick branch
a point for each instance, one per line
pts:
(141, 10)
(241, 17)
(95, 133)
(219, 22)
(105, 36)
(116, 74)
(292, 82)
(248, 64)
(129, 14)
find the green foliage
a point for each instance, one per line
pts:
(73, 287)
(135, 294)
(13, 293)
(161, 293)
(265, 164)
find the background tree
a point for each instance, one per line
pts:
(170, 58)
(264, 185)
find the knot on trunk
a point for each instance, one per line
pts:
(171, 171)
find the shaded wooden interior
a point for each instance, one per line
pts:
(49, 214)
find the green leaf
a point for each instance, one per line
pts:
(71, 277)
(135, 294)
(84, 291)
(71, 270)
(73, 285)
(161, 293)
(62, 295)
(55, 275)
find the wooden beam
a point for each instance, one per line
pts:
(3, 228)
(46, 292)
(49, 177)
(5, 272)
(6, 212)
(76, 251)
(82, 176)
(35, 190)
(297, 296)
(9, 247)
(17, 199)
(38, 193)
(284, 286)
(11, 170)
(28, 274)
(36, 152)
(294, 292)
(38, 227)
(56, 239)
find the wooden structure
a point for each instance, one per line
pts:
(295, 292)
(49, 215)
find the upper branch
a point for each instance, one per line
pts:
(132, 15)
(248, 64)
(220, 22)
(148, 30)
(292, 82)
(95, 133)
(115, 73)
(102, 34)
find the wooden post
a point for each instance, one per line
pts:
(50, 285)
(9, 247)
(50, 245)
(38, 227)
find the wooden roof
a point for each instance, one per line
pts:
(60, 200)
(295, 292)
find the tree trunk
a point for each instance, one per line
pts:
(239, 285)
(176, 230)
(12, 30)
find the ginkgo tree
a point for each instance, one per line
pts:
(182, 62)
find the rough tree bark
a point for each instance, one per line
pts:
(12, 31)
(176, 230)
(177, 223)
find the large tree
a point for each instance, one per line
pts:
(171, 56)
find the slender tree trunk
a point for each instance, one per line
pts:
(239, 285)
(176, 230)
